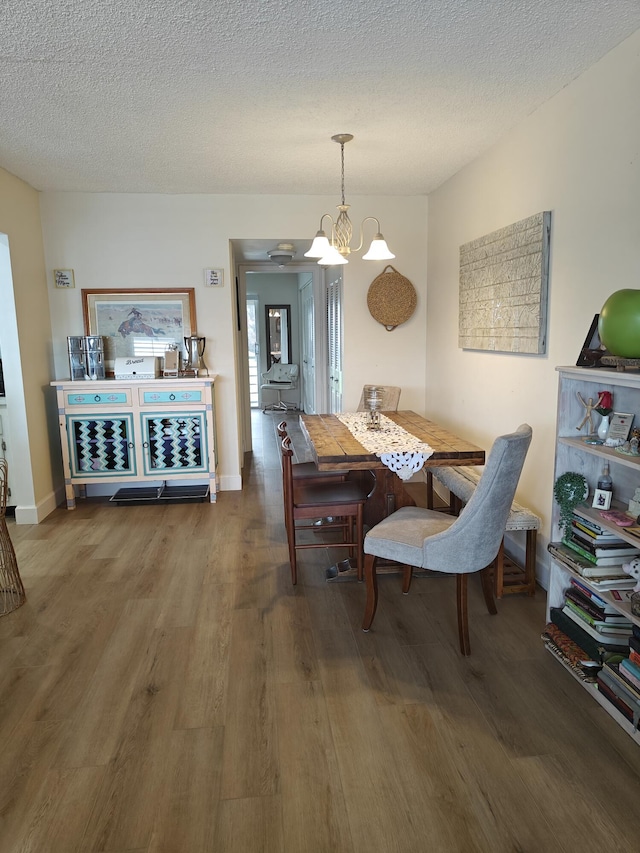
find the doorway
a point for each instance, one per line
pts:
(258, 284)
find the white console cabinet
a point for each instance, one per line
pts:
(152, 432)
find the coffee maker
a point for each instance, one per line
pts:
(195, 351)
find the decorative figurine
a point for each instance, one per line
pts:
(634, 504)
(589, 407)
(633, 569)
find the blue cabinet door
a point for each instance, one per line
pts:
(101, 446)
(174, 443)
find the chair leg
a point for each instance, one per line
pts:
(372, 590)
(429, 490)
(290, 527)
(360, 540)
(487, 589)
(499, 571)
(463, 621)
(407, 576)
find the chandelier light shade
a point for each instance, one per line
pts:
(336, 248)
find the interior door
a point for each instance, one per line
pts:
(308, 347)
(334, 338)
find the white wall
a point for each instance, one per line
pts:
(160, 241)
(25, 331)
(578, 156)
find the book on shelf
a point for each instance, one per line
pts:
(602, 612)
(573, 560)
(611, 674)
(616, 559)
(590, 534)
(634, 656)
(605, 689)
(600, 549)
(615, 628)
(593, 646)
(607, 584)
(584, 589)
(568, 652)
(607, 639)
(631, 672)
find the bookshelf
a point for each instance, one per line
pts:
(574, 454)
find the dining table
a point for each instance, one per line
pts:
(334, 446)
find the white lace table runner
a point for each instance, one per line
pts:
(398, 449)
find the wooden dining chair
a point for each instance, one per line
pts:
(458, 545)
(308, 472)
(343, 501)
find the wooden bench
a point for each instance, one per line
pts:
(509, 577)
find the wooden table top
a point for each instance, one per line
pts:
(334, 447)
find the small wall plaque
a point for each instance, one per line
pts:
(214, 278)
(64, 278)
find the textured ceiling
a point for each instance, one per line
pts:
(230, 96)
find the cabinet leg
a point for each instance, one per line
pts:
(70, 494)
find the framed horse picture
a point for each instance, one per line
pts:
(138, 323)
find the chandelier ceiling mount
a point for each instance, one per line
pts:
(336, 248)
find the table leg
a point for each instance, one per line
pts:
(388, 495)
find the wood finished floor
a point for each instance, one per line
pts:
(166, 689)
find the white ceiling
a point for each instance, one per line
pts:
(221, 96)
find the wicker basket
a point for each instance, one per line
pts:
(391, 298)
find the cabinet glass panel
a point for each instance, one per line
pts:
(101, 447)
(174, 443)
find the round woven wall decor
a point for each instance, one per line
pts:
(391, 298)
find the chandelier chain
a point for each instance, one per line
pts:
(342, 158)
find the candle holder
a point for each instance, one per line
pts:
(373, 403)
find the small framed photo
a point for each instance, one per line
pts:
(619, 429)
(64, 278)
(601, 499)
(592, 349)
(214, 278)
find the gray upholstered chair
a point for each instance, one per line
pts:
(279, 378)
(441, 543)
(390, 398)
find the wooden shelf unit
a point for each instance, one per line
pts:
(574, 454)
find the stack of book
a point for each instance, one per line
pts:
(619, 681)
(604, 551)
(595, 616)
(586, 630)
(602, 577)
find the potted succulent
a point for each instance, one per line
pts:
(569, 490)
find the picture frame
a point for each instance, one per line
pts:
(137, 322)
(64, 279)
(592, 349)
(620, 425)
(601, 499)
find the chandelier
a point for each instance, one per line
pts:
(335, 250)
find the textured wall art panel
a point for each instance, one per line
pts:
(504, 280)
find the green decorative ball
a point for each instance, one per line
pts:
(619, 323)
